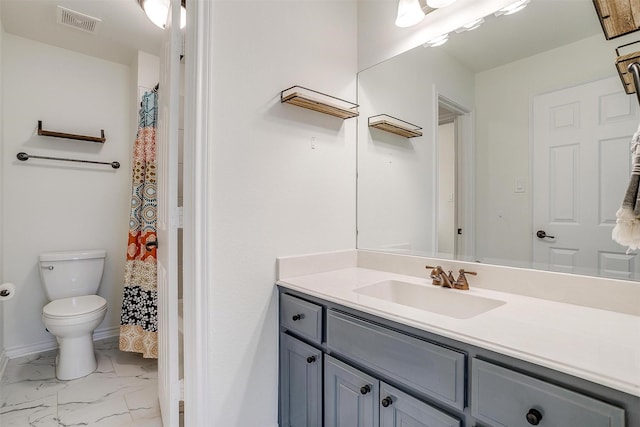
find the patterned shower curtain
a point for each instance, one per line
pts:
(139, 316)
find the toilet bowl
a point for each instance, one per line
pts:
(70, 280)
(72, 321)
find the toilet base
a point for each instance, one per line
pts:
(75, 358)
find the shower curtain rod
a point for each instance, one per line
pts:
(24, 157)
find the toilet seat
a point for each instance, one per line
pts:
(67, 308)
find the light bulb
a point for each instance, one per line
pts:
(471, 25)
(409, 13)
(436, 4)
(438, 41)
(513, 8)
(158, 10)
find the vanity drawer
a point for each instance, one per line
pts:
(433, 370)
(301, 317)
(502, 397)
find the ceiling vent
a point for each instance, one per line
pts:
(77, 20)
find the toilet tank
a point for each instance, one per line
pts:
(71, 273)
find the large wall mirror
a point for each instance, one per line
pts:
(524, 156)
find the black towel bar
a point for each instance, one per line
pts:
(24, 157)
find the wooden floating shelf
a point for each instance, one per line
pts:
(618, 17)
(42, 132)
(318, 101)
(393, 125)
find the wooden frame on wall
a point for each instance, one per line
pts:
(618, 17)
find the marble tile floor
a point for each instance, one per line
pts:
(123, 391)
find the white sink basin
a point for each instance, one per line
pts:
(448, 302)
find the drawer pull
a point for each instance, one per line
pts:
(386, 401)
(297, 317)
(534, 417)
(366, 389)
(311, 359)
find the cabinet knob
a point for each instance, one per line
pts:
(366, 389)
(386, 401)
(297, 317)
(311, 359)
(534, 417)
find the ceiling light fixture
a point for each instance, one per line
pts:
(438, 41)
(471, 25)
(158, 11)
(409, 13)
(437, 4)
(513, 8)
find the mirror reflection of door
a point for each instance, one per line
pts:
(581, 141)
(450, 163)
(446, 180)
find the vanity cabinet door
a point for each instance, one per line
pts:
(351, 396)
(427, 368)
(300, 384)
(505, 398)
(399, 409)
(301, 317)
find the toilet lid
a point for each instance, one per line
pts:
(74, 306)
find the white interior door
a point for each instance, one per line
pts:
(168, 221)
(581, 153)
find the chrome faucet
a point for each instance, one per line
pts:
(440, 278)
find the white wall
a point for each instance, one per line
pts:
(397, 176)
(503, 100)
(52, 206)
(271, 193)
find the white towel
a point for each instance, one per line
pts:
(627, 229)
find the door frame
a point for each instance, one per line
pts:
(465, 172)
(196, 211)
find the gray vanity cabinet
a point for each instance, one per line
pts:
(300, 383)
(350, 396)
(340, 367)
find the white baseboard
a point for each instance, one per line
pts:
(52, 344)
(3, 362)
(25, 350)
(104, 333)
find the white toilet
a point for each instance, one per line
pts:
(70, 280)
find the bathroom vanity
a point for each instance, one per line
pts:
(353, 352)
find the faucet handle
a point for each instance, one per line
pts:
(463, 271)
(462, 282)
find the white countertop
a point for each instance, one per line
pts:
(597, 345)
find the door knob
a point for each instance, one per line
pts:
(311, 359)
(297, 317)
(386, 401)
(542, 234)
(365, 389)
